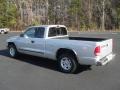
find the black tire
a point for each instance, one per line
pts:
(69, 66)
(13, 51)
(6, 32)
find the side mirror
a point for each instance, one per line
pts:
(22, 35)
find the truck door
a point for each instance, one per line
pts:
(32, 42)
(38, 43)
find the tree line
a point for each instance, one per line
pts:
(76, 14)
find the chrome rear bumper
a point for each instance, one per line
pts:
(105, 60)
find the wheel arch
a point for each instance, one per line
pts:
(65, 50)
(11, 43)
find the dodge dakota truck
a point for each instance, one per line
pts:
(54, 43)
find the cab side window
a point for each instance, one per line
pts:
(30, 32)
(39, 32)
(35, 32)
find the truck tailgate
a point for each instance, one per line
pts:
(106, 47)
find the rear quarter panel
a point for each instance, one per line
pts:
(84, 49)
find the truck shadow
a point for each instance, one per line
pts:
(41, 62)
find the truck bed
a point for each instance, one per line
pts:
(82, 38)
(87, 39)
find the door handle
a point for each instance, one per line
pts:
(32, 41)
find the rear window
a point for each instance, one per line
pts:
(63, 31)
(54, 31)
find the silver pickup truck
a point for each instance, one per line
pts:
(53, 42)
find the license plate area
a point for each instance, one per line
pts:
(105, 59)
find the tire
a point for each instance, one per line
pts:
(6, 32)
(67, 63)
(13, 51)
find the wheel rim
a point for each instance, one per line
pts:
(12, 51)
(66, 63)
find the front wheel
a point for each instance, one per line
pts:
(13, 51)
(67, 63)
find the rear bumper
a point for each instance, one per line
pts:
(97, 60)
(105, 60)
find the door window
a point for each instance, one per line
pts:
(39, 32)
(30, 32)
(35, 32)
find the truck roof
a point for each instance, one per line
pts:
(49, 26)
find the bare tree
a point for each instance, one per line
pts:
(103, 15)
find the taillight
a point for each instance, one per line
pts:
(97, 51)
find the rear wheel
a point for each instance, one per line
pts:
(6, 32)
(13, 51)
(67, 63)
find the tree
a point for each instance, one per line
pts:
(8, 14)
(79, 14)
